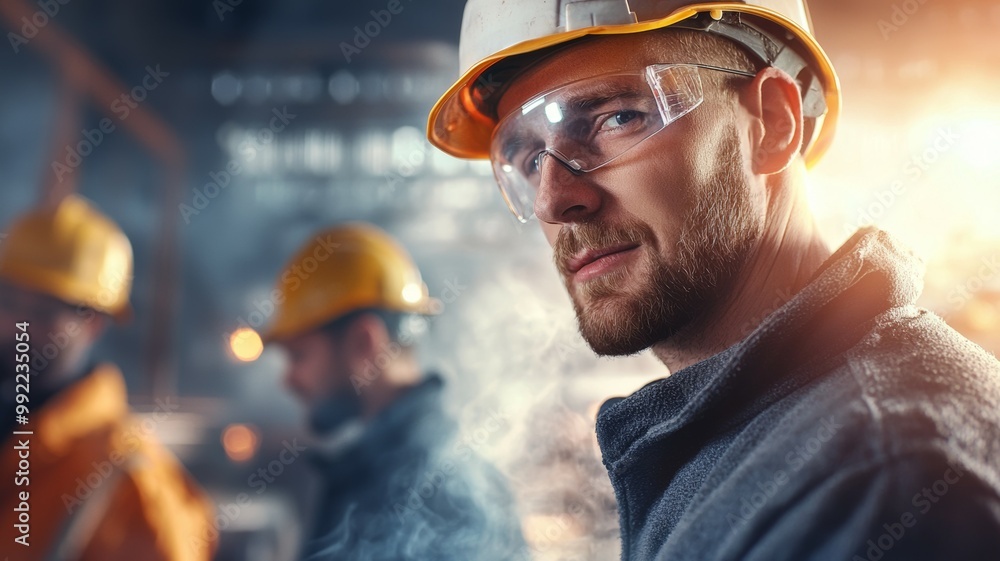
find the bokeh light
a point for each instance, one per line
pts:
(240, 442)
(246, 344)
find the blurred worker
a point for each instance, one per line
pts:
(346, 305)
(813, 411)
(91, 483)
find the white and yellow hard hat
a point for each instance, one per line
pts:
(73, 253)
(343, 269)
(778, 32)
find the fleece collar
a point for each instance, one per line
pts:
(867, 276)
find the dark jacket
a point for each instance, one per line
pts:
(408, 490)
(850, 425)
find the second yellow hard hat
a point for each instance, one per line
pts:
(343, 269)
(71, 252)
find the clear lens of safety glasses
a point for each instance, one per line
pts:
(587, 124)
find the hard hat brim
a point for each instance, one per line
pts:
(64, 290)
(286, 330)
(458, 128)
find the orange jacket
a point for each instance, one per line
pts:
(98, 479)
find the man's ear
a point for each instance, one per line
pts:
(775, 106)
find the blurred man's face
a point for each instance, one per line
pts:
(312, 369)
(652, 242)
(59, 334)
(319, 374)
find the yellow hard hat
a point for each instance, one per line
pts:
(778, 32)
(343, 269)
(71, 252)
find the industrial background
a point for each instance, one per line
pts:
(220, 134)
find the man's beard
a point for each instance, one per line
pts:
(716, 239)
(334, 411)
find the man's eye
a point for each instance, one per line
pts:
(534, 164)
(531, 163)
(618, 119)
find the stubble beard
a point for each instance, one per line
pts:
(342, 404)
(618, 314)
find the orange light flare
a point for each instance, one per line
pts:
(245, 344)
(927, 175)
(240, 442)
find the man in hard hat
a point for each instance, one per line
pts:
(403, 487)
(663, 147)
(87, 480)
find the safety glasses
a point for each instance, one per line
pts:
(587, 124)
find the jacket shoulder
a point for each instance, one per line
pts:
(156, 509)
(922, 384)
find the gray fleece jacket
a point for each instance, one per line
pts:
(850, 425)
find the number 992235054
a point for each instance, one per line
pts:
(22, 356)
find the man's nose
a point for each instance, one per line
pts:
(564, 194)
